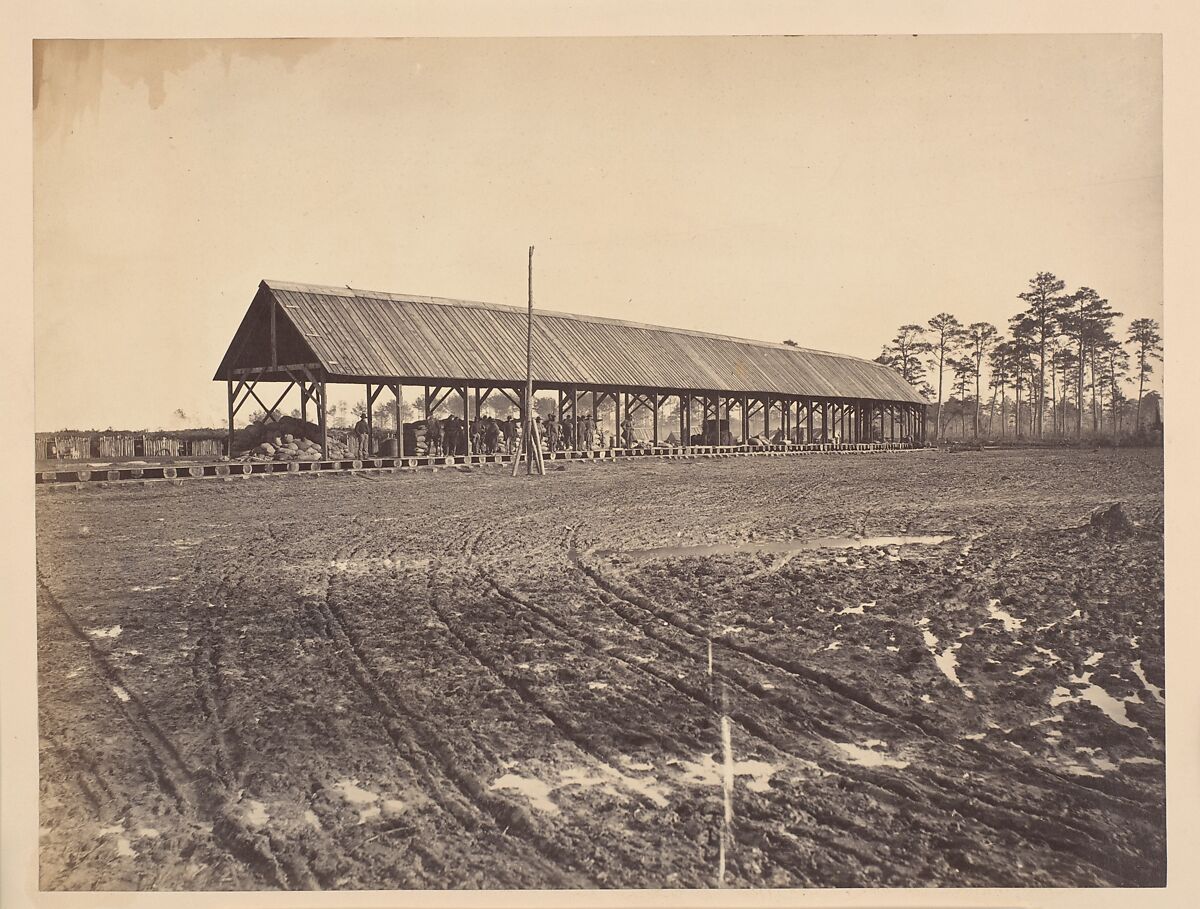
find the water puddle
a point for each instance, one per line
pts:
(784, 546)
(1050, 655)
(612, 780)
(946, 661)
(869, 756)
(707, 772)
(362, 799)
(1023, 671)
(114, 632)
(1154, 690)
(1140, 760)
(256, 813)
(1011, 624)
(1101, 761)
(1095, 658)
(124, 847)
(1097, 697)
(535, 790)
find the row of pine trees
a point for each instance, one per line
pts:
(1060, 369)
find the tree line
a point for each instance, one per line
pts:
(1060, 356)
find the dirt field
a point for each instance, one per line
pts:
(460, 680)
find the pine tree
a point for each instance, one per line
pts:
(979, 339)
(1044, 306)
(1146, 336)
(946, 333)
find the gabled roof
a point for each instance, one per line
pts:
(357, 335)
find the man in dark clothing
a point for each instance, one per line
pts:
(362, 435)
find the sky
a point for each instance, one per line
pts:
(824, 190)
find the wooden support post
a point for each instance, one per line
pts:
(370, 423)
(324, 421)
(617, 407)
(229, 390)
(466, 396)
(304, 393)
(575, 443)
(399, 390)
(809, 423)
(654, 441)
(683, 414)
(767, 418)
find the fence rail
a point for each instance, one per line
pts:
(123, 445)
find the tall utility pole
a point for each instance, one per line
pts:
(530, 443)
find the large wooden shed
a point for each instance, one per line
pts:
(310, 337)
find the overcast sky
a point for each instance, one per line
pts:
(825, 190)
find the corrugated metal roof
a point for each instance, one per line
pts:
(360, 334)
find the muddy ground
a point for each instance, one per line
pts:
(460, 679)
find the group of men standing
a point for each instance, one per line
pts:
(490, 435)
(559, 434)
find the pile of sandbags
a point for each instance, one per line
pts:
(286, 439)
(416, 438)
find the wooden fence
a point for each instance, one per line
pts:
(118, 446)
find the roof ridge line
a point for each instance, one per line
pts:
(352, 292)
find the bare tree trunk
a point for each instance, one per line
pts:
(941, 371)
(1141, 387)
(1053, 399)
(1041, 386)
(1079, 387)
(1017, 410)
(1091, 361)
(978, 370)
